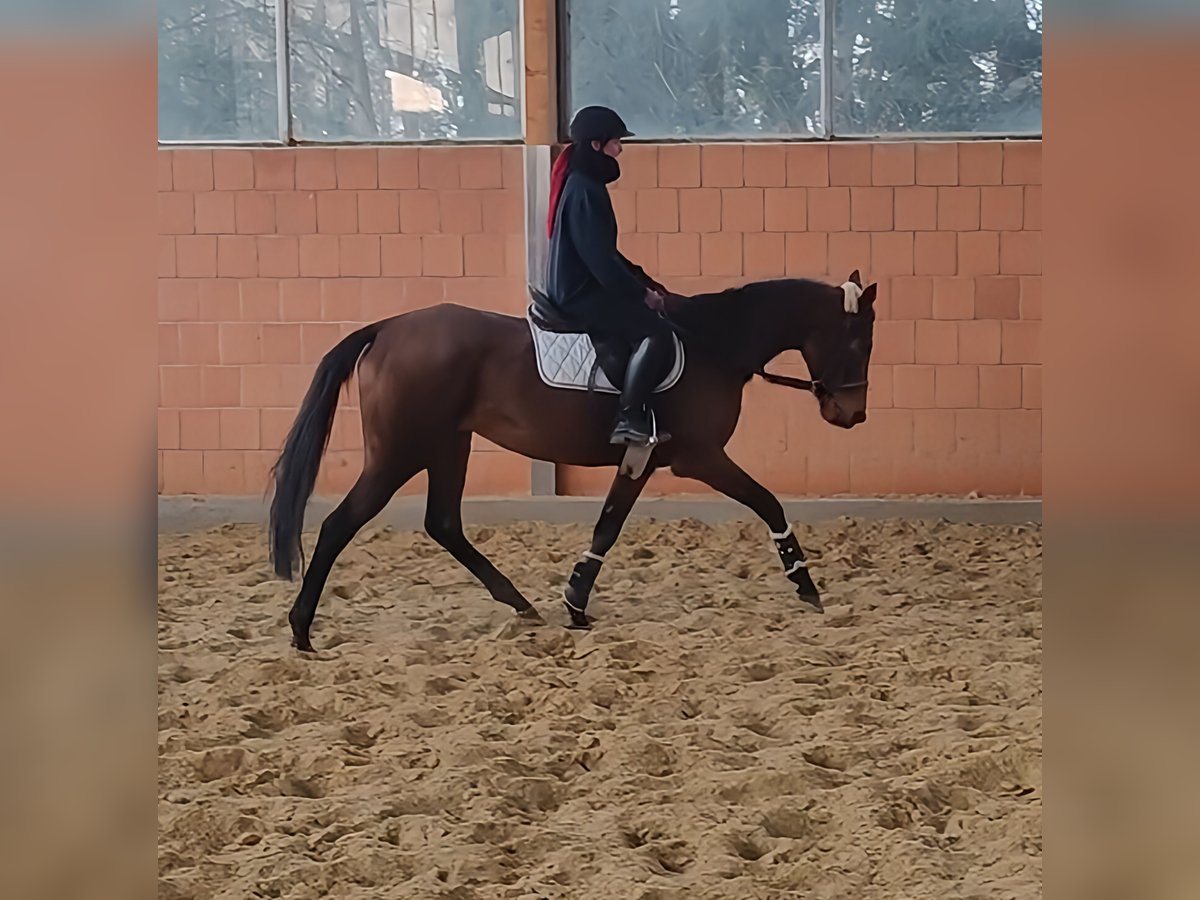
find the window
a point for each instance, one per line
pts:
(757, 68)
(355, 70)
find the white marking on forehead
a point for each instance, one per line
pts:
(851, 292)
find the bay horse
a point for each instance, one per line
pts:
(431, 378)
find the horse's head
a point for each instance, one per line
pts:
(838, 352)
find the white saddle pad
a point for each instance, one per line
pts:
(566, 360)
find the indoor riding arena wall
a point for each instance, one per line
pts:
(267, 257)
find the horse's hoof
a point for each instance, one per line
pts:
(812, 600)
(303, 644)
(531, 616)
(577, 620)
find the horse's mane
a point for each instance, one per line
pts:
(718, 310)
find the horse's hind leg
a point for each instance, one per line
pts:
(366, 500)
(617, 505)
(443, 522)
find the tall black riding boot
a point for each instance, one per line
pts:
(641, 377)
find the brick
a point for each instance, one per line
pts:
(912, 386)
(624, 204)
(220, 300)
(1023, 162)
(911, 297)
(483, 254)
(785, 209)
(441, 255)
(379, 212)
(275, 170)
(953, 298)
(224, 472)
(316, 169)
(679, 254)
(657, 210)
(437, 168)
(721, 254)
(199, 343)
(933, 429)
(1032, 220)
(318, 255)
(461, 212)
(763, 255)
(849, 250)
(515, 262)
(937, 163)
(1021, 342)
(679, 166)
(639, 167)
(936, 342)
(978, 253)
(420, 212)
(916, 209)
(1020, 431)
(894, 344)
(893, 164)
(259, 299)
(641, 248)
(700, 210)
(176, 214)
(295, 212)
(503, 212)
(254, 212)
(239, 429)
(829, 209)
(317, 339)
(337, 212)
(1021, 252)
(871, 208)
(398, 168)
(850, 164)
(997, 297)
(341, 300)
(233, 170)
(742, 209)
(1031, 297)
(977, 432)
(359, 255)
(764, 165)
(237, 256)
(178, 300)
(828, 475)
(401, 255)
(806, 254)
(199, 429)
(1001, 208)
(192, 170)
(168, 429)
(357, 168)
(241, 343)
(165, 163)
(214, 213)
(220, 385)
(274, 425)
(979, 343)
(300, 300)
(166, 256)
(480, 168)
(958, 209)
(1000, 387)
(180, 386)
(280, 342)
(880, 387)
(1031, 387)
(183, 472)
(384, 297)
(935, 253)
(721, 165)
(807, 165)
(196, 256)
(956, 387)
(892, 253)
(512, 168)
(980, 162)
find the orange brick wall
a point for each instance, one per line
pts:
(952, 233)
(267, 257)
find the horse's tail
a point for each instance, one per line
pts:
(295, 472)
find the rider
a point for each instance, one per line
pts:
(589, 280)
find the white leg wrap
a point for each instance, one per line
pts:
(780, 537)
(588, 554)
(797, 566)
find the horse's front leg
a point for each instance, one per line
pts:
(617, 505)
(722, 474)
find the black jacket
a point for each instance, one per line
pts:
(588, 278)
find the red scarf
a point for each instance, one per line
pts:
(558, 177)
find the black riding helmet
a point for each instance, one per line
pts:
(597, 123)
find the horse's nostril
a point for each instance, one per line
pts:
(858, 418)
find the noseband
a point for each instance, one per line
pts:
(814, 386)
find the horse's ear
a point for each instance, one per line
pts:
(855, 278)
(868, 296)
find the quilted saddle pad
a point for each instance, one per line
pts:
(566, 361)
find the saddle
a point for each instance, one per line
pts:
(567, 357)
